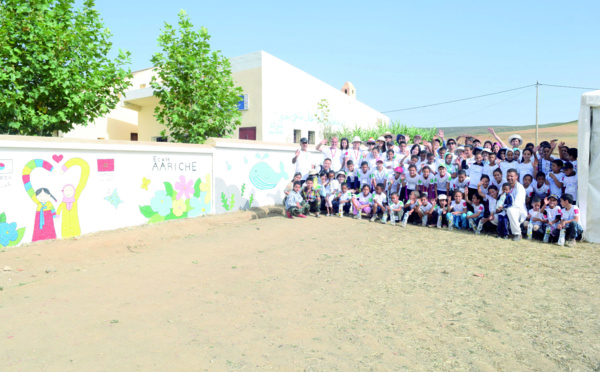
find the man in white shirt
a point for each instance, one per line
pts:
(302, 159)
(333, 153)
(518, 212)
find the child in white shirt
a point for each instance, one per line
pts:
(362, 202)
(540, 188)
(458, 210)
(411, 180)
(535, 216)
(379, 199)
(395, 209)
(570, 181)
(344, 200)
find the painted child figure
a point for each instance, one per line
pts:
(505, 201)
(379, 201)
(294, 203)
(395, 209)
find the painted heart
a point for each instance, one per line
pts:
(57, 158)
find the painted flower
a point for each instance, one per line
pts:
(205, 186)
(179, 207)
(161, 203)
(184, 188)
(8, 233)
(198, 208)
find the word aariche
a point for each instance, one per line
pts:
(165, 164)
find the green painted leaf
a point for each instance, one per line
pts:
(156, 218)
(197, 188)
(2, 217)
(21, 233)
(169, 189)
(147, 211)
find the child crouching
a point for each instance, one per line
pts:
(295, 204)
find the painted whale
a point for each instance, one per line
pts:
(263, 177)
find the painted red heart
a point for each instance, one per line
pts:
(57, 158)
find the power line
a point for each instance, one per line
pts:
(458, 100)
(484, 95)
(567, 86)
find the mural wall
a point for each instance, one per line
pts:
(60, 190)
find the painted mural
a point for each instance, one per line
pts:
(10, 235)
(185, 199)
(46, 213)
(263, 177)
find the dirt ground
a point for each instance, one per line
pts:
(230, 293)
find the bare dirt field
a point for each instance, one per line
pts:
(229, 293)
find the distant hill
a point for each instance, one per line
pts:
(475, 130)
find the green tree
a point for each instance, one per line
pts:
(198, 98)
(54, 69)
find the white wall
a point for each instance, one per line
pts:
(124, 181)
(290, 98)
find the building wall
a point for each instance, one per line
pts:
(148, 125)
(251, 83)
(117, 125)
(290, 98)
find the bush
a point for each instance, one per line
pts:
(379, 129)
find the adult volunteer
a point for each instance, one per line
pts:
(518, 212)
(334, 153)
(302, 159)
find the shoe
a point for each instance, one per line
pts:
(571, 243)
(356, 216)
(393, 223)
(317, 215)
(301, 215)
(288, 215)
(505, 237)
(516, 238)
(372, 219)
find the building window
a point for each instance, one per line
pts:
(311, 137)
(346, 91)
(297, 135)
(160, 139)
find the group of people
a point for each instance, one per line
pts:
(491, 186)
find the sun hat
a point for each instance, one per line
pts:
(515, 136)
(458, 149)
(312, 172)
(418, 136)
(510, 150)
(398, 169)
(356, 139)
(381, 138)
(371, 139)
(340, 173)
(379, 160)
(442, 197)
(486, 150)
(388, 134)
(553, 196)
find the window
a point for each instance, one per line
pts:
(160, 139)
(346, 91)
(142, 86)
(311, 137)
(297, 135)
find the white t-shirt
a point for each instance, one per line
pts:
(332, 187)
(568, 215)
(505, 166)
(553, 188)
(540, 192)
(381, 176)
(390, 164)
(398, 205)
(552, 214)
(396, 184)
(336, 156)
(432, 167)
(442, 182)
(474, 172)
(355, 155)
(570, 184)
(534, 214)
(364, 178)
(426, 208)
(346, 196)
(574, 162)
(427, 181)
(525, 169)
(368, 199)
(478, 208)
(412, 182)
(491, 203)
(460, 207)
(350, 175)
(489, 170)
(380, 198)
(462, 186)
(303, 164)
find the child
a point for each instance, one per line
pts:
(409, 208)
(364, 175)
(431, 163)
(474, 217)
(311, 197)
(570, 219)
(490, 220)
(343, 200)
(424, 210)
(527, 167)
(373, 159)
(505, 201)
(540, 188)
(411, 180)
(290, 186)
(509, 162)
(457, 212)
(498, 179)
(379, 199)
(451, 169)
(553, 214)
(362, 202)
(390, 163)
(570, 181)
(491, 166)
(443, 181)
(352, 177)
(331, 192)
(380, 175)
(428, 183)
(535, 217)
(573, 158)
(462, 183)
(475, 172)
(396, 185)
(439, 211)
(294, 203)
(556, 178)
(395, 209)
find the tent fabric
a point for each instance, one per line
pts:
(588, 161)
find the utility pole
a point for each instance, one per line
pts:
(537, 87)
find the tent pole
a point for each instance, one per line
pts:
(537, 87)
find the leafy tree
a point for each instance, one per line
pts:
(198, 98)
(54, 69)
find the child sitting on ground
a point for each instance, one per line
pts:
(474, 217)
(362, 202)
(457, 212)
(570, 220)
(409, 208)
(331, 191)
(295, 204)
(553, 215)
(535, 218)
(440, 210)
(343, 201)
(424, 210)
(395, 209)
(379, 199)
(505, 201)
(311, 197)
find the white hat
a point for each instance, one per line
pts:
(381, 138)
(356, 139)
(459, 148)
(486, 150)
(442, 197)
(515, 136)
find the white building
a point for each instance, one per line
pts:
(280, 105)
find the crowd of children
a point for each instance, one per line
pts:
(440, 184)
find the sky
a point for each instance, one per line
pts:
(401, 54)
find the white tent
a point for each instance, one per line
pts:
(588, 165)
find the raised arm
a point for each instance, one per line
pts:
(491, 130)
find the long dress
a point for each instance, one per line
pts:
(43, 228)
(70, 220)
